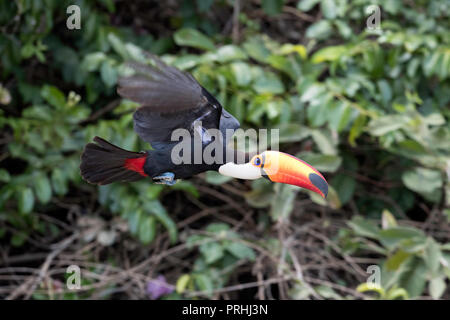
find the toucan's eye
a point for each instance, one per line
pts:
(257, 161)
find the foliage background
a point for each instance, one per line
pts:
(370, 109)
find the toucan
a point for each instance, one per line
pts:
(170, 99)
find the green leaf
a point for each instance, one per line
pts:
(40, 112)
(306, 5)
(288, 48)
(328, 292)
(344, 29)
(25, 200)
(59, 182)
(394, 236)
(322, 162)
(364, 227)
(147, 229)
(109, 4)
(292, 132)
(186, 186)
(242, 73)
(412, 67)
(319, 30)
(317, 113)
(328, 8)
(182, 283)
(256, 49)
(6, 192)
(414, 245)
(230, 52)
(332, 53)
(204, 282)
(430, 62)
(385, 90)
(241, 251)
(134, 220)
(108, 74)
(447, 271)
(30, 93)
(187, 62)
(272, 7)
(272, 108)
(383, 125)
(414, 280)
(367, 287)
(437, 287)
(288, 65)
(397, 293)
(216, 178)
(332, 199)
(53, 96)
(388, 220)
(160, 212)
(92, 61)
(18, 239)
(135, 53)
(217, 228)
(204, 5)
(27, 50)
(357, 129)
(283, 202)
(237, 106)
(344, 186)
(432, 255)
(313, 91)
(340, 115)
(324, 142)
(422, 180)
(5, 95)
(194, 240)
(151, 191)
(434, 119)
(42, 188)
(269, 83)
(4, 175)
(211, 251)
(118, 46)
(261, 194)
(394, 262)
(193, 38)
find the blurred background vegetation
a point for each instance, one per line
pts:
(369, 109)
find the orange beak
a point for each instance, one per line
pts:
(284, 168)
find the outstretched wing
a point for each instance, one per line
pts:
(170, 99)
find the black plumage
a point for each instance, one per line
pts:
(102, 163)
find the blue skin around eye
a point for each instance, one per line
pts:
(257, 161)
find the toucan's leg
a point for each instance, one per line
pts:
(167, 178)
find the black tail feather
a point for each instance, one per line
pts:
(103, 163)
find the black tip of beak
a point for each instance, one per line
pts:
(319, 183)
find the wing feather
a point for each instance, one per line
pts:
(162, 88)
(169, 99)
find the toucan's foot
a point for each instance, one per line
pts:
(167, 178)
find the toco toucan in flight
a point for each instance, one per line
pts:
(171, 99)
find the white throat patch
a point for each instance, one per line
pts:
(241, 171)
